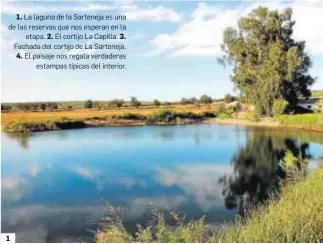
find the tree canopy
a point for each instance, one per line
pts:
(205, 99)
(268, 63)
(88, 104)
(135, 102)
(156, 102)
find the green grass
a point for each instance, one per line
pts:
(224, 116)
(296, 217)
(302, 121)
(253, 116)
(317, 93)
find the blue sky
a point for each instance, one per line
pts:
(172, 49)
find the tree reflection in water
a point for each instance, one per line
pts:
(21, 138)
(257, 171)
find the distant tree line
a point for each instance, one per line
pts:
(118, 103)
(205, 99)
(115, 103)
(30, 106)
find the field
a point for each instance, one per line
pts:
(38, 120)
(317, 93)
(86, 114)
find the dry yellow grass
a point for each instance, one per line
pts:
(90, 113)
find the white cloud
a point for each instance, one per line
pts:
(132, 11)
(33, 223)
(12, 189)
(14, 8)
(202, 34)
(9, 183)
(197, 181)
(86, 173)
(308, 20)
(6, 43)
(156, 14)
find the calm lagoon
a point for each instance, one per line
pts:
(55, 185)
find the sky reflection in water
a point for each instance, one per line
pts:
(55, 185)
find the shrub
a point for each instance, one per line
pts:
(43, 106)
(164, 115)
(208, 115)
(129, 116)
(224, 116)
(295, 167)
(169, 116)
(5, 107)
(118, 103)
(156, 102)
(229, 99)
(253, 116)
(97, 104)
(52, 105)
(135, 102)
(236, 108)
(88, 104)
(185, 101)
(319, 106)
(205, 99)
(221, 108)
(279, 107)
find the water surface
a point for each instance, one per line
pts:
(55, 185)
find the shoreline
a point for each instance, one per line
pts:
(236, 121)
(80, 124)
(262, 123)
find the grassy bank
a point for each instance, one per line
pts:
(302, 121)
(310, 122)
(121, 118)
(296, 217)
(176, 114)
(25, 126)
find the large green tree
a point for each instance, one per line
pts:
(268, 63)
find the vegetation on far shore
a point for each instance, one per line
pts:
(317, 93)
(234, 112)
(295, 216)
(157, 117)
